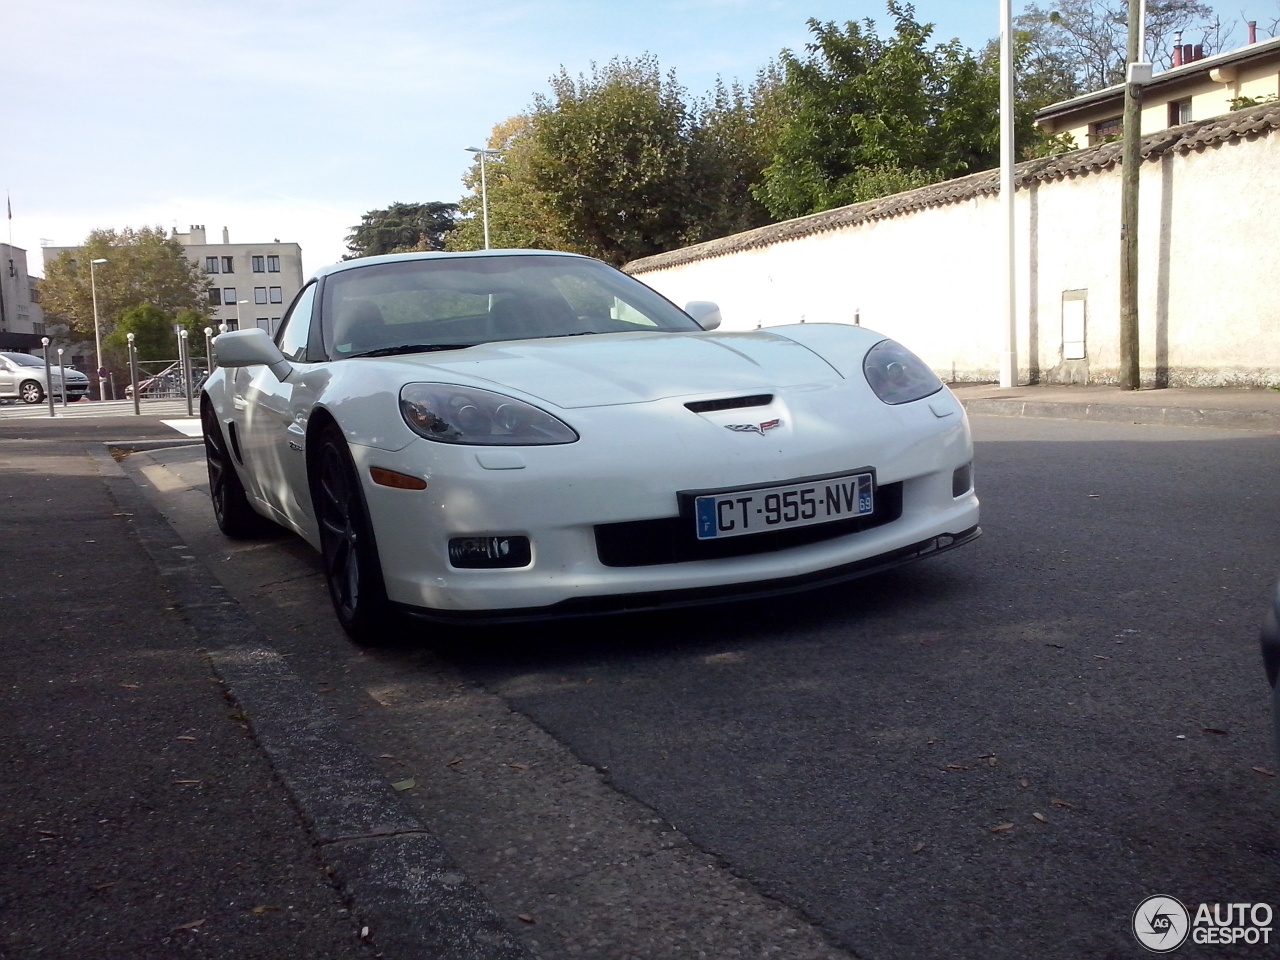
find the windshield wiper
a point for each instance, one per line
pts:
(411, 348)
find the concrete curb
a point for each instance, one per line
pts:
(1124, 413)
(406, 891)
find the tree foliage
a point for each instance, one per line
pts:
(154, 335)
(402, 227)
(1089, 38)
(622, 164)
(144, 267)
(868, 113)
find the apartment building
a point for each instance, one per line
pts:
(21, 319)
(252, 283)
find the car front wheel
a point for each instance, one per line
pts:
(351, 566)
(31, 392)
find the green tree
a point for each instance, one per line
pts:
(610, 158)
(402, 227)
(154, 335)
(144, 267)
(867, 114)
(1090, 37)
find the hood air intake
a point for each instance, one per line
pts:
(730, 403)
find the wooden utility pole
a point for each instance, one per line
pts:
(1131, 161)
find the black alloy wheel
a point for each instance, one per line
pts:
(352, 569)
(236, 518)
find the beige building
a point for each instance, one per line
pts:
(1195, 88)
(252, 283)
(21, 319)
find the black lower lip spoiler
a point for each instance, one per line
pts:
(698, 596)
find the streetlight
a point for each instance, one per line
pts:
(97, 332)
(484, 188)
(239, 325)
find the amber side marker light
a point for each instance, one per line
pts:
(399, 481)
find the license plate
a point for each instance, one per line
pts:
(799, 504)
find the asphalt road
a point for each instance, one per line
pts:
(996, 753)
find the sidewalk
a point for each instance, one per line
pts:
(1224, 407)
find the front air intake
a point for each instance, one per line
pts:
(730, 403)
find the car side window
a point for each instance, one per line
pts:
(295, 329)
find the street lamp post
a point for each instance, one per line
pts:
(239, 325)
(97, 332)
(484, 188)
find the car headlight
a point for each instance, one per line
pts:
(897, 375)
(453, 414)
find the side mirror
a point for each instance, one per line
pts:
(706, 313)
(247, 348)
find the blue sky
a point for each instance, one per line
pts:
(290, 118)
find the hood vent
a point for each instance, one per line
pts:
(730, 403)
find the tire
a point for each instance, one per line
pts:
(236, 518)
(31, 392)
(348, 550)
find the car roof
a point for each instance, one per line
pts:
(437, 255)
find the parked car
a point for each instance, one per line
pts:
(22, 376)
(510, 435)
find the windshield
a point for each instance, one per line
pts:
(25, 359)
(455, 302)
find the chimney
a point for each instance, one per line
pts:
(197, 234)
(1253, 31)
(1177, 49)
(1198, 52)
(226, 235)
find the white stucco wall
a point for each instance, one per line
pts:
(1208, 235)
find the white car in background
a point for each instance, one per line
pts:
(22, 377)
(511, 435)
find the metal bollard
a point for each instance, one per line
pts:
(133, 376)
(48, 377)
(62, 375)
(184, 356)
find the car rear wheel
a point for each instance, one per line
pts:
(352, 569)
(231, 507)
(31, 392)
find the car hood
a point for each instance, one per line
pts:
(609, 369)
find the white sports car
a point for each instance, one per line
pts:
(511, 435)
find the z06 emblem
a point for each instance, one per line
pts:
(759, 428)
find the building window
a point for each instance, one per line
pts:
(233, 324)
(210, 264)
(229, 296)
(273, 264)
(259, 264)
(228, 265)
(1105, 130)
(1179, 112)
(215, 297)
(37, 329)
(259, 294)
(276, 295)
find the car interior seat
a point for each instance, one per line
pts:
(359, 327)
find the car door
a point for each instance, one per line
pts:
(8, 379)
(273, 414)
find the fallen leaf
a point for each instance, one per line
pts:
(1100, 657)
(193, 925)
(525, 917)
(46, 833)
(262, 910)
(189, 739)
(403, 785)
(1218, 730)
(518, 766)
(1041, 817)
(131, 686)
(992, 762)
(918, 847)
(1063, 804)
(104, 886)
(1024, 783)
(455, 761)
(187, 783)
(385, 756)
(956, 766)
(1056, 646)
(1002, 828)
(1264, 771)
